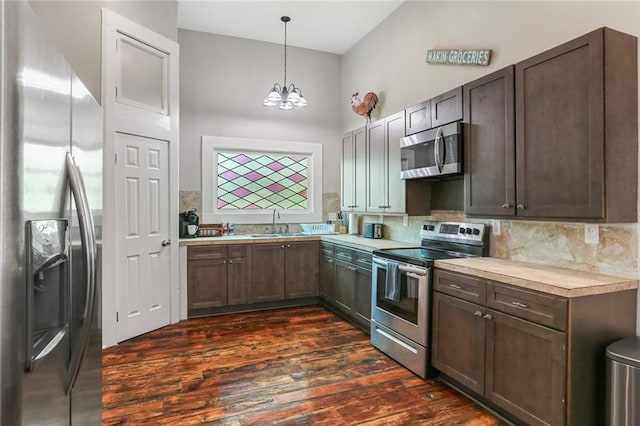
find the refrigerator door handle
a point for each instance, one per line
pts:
(88, 238)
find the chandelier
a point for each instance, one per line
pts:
(285, 97)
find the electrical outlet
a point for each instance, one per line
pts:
(333, 216)
(591, 233)
(496, 228)
(405, 220)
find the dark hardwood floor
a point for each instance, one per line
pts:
(287, 366)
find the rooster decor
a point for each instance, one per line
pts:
(365, 107)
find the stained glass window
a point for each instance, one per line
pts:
(265, 181)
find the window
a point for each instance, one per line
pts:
(244, 180)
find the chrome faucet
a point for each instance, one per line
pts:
(273, 221)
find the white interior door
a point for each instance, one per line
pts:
(142, 170)
(140, 100)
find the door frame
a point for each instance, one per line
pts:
(112, 24)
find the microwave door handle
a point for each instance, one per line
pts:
(436, 149)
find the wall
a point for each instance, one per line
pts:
(390, 60)
(76, 27)
(223, 81)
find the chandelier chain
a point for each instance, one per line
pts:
(285, 54)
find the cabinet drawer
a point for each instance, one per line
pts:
(344, 253)
(362, 259)
(238, 251)
(459, 285)
(328, 249)
(206, 252)
(539, 308)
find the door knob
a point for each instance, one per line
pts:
(166, 243)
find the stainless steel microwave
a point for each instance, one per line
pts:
(433, 153)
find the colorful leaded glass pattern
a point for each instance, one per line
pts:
(252, 181)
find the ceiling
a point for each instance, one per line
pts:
(330, 26)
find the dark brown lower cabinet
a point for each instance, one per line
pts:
(537, 358)
(301, 269)
(267, 272)
(345, 282)
(326, 283)
(284, 271)
(217, 276)
(526, 369)
(458, 341)
(345, 290)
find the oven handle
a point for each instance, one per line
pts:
(418, 271)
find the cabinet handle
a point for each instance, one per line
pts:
(351, 207)
(477, 313)
(506, 206)
(282, 246)
(487, 316)
(231, 261)
(224, 262)
(455, 286)
(351, 268)
(519, 304)
(329, 260)
(382, 207)
(520, 207)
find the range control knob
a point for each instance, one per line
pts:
(431, 228)
(463, 231)
(476, 231)
(469, 231)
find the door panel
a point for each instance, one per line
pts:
(143, 283)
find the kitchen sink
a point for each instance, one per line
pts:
(283, 234)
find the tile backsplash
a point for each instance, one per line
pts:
(551, 243)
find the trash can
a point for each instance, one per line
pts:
(623, 382)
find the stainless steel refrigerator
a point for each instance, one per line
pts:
(50, 215)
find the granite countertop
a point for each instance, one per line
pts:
(557, 281)
(353, 241)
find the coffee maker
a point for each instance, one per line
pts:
(188, 220)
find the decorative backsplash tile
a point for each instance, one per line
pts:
(550, 243)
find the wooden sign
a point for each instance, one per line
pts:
(459, 57)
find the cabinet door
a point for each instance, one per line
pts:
(489, 145)
(301, 275)
(394, 186)
(267, 272)
(560, 131)
(327, 278)
(206, 283)
(526, 369)
(458, 340)
(363, 296)
(345, 289)
(238, 281)
(354, 170)
(418, 117)
(376, 167)
(447, 107)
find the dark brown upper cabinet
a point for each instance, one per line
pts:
(489, 151)
(447, 107)
(576, 134)
(418, 118)
(434, 112)
(577, 130)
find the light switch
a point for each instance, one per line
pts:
(496, 228)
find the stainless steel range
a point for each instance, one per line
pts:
(401, 289)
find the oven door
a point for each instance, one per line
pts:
(431, 153)
(409, 315)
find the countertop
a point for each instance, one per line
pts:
(354, 241)
(557, 281)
